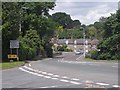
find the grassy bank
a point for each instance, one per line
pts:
(89, 59)
(8, 65)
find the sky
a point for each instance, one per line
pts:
(86, 12)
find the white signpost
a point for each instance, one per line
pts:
(67, 42)
(14, 44)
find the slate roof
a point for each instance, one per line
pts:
(71, 41)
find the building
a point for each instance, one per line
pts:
(76, 44)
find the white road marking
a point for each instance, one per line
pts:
(54, 78)
(29, 64)
(28, 68)
(116, 86)
(55, 86)
(56, 75)
(47, 76)
(50, 74)
(78, 58)
(64, 77)
(44, 87)
(63, 80)
(75, 79)
(40, 75)
(87, 81)
(30, 72)
(31, 69)
(44, 72)
(115, 66)
(39, 71)
(74, 82)
(104, 84)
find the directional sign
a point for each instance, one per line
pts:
(14, 44)
(12, 56)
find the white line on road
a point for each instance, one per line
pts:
(74, 82)
(44, 72)
(115, 66)
(54, 78)
(50, 74)
(63, 80)
(116, 86)
(64, 77)
(87, 81)
(31, 69)
(36, 72)
(29, 65)
(78, 58)
(30, 72)
(75, 79)
(47, 77)
(104, 84)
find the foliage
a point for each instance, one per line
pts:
(110, 45)
(64, 48)
(75, 33)
(30, 15)
(10, 26)
(49, 50)
(65, 20)
(30, 45)
(91, 32)
(94, 54)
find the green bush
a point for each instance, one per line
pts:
(105, 56)
(68, 50)
(26, 53)
(60, 48)
(29, 45)
(64, 48)
(88, 55)
(94, 55)
(49, 50)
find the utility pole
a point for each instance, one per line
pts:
(84, 41)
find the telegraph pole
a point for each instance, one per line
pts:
(84, 41)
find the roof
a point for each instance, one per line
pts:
(71, 41)
(94, 41)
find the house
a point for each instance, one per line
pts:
(76, 44)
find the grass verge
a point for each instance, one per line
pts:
(89, 59)
(8, 65)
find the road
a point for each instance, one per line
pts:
(65, 71)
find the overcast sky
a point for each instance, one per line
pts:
(86, 12)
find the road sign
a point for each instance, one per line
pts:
(12, 56)
(14, 44)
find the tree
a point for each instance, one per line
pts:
(65, 20)
(33, 16)
(92, 32)
(109, 46)
(110, 25)
(30, 45)
(10, 26)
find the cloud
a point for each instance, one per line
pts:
(86, 12)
